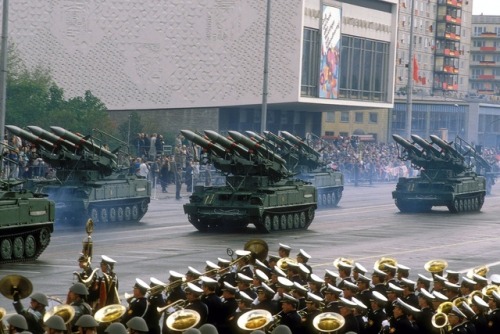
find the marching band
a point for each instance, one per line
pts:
(259, 293)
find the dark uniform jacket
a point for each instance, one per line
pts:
(137, 307)
(214, 305)
(268, 305)
(424, 321)
(152, 316)
(33, 318)
(308, 323)
(493, 321)
(402, 325)
(201, 308)
(81, 308)
(332, 307)
(375, 319)
(293, 321)
(481, 323)
(411, 299)
(459, 329)
(351, 325)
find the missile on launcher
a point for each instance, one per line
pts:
(207, 145)
(250, 144)
(407, 145)
(30, 137)
(447, 147)
(299, 143)
(426, 145)
(55, 140)
(227, 144)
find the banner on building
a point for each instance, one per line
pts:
(330, 53)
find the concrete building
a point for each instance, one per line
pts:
(199, 64)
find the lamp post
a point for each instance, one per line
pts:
(3, 67)
(409, 97)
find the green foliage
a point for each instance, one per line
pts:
(33, 98)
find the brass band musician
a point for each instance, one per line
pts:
(108, 283)
(34, 314)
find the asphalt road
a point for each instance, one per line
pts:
(365, 227)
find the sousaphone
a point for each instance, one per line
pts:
(110, 313)
(255, 319)
(20, 283)
(327, 322)
(183, 320)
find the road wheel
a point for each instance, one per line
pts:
(112, 215)
(30, 246)
(135, 212)
(296, 221)
(6, 249)
(283, 222)
(44, 237)
(303, 221)
(18, 247)
(127, 214)
(120, 214)
(276, 222)
(94, 214)
(267, 223)
(289, 221)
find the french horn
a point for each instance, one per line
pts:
(183, 320)
(439, 320)
(327, 322)
(20, 283)
(255, 319)
(110, 313)
(435, 266)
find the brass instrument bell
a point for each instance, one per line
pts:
(343, 260)
(110, 313)
(3, 312)
(183, 320)
(254, 320)
(327, 322)
(435, 266)
(65, 311)
(380, 263)
(285, 261)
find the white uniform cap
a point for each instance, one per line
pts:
(107, 259)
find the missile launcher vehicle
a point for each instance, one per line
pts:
(308, 165)
(26, 223)
(259, 189)
(90, 180)
(446, 176)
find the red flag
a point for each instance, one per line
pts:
(415, 69)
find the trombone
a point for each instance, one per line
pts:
(178, 304)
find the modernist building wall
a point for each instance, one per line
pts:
(158, 56)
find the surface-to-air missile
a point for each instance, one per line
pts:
(251, 145)
(207, 145)
(89, 181)
(445, 179)
(28, 136)
(228, 144)
(428, 147)
(258, 189)
(299, 143)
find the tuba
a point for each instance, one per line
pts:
(435, 266)
(480, 271)
(183, 320)
(255, 319)
(258, 249)
(343, 260)
(110, 313)
(284, 262)
(327, 322)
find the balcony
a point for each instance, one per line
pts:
(488, 35)
(488, 48)
(451, 36)
(487, 63)
(454, 3)
(486, 77)
(453, 20)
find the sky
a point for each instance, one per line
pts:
(487, 7)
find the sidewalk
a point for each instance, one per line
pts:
(170, 194)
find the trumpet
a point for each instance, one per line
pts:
(178, 304)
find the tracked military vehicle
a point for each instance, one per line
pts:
(259, 189)
(26, 223)
(445, 179)
(308, 165)
(90, 181)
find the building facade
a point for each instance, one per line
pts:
(206, 57)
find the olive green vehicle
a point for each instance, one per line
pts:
(308, 165)
(259, 189)
(26, 223)
(90, 181)
(446, 176)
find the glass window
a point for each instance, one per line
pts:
(310, 62)
(330, 116)
(358, 117)
(344, 116)
(373, 117)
